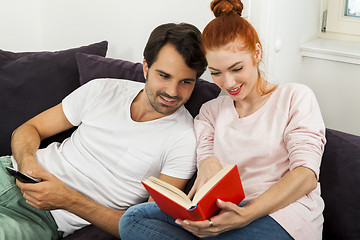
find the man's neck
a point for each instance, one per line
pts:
(141, 109)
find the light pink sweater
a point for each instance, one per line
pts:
(286, 132)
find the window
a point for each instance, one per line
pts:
(337, 40)
(341, 19)
(352, 8)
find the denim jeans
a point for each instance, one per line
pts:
(19, 220)
(147, 221)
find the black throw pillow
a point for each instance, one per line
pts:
(31, 82)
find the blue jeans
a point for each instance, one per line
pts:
(147, 221)
(19, 220)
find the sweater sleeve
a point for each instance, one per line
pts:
(304, 134)
(204, 124)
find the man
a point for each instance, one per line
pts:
(127, 131)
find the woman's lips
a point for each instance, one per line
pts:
(234, 91)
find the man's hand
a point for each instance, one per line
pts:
(52, 194)
(49, 194)
(29, 164)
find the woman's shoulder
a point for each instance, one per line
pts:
(293, 87)
(214, 106)
(221, 99)
(294, 90)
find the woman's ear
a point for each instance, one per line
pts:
(145, 69)
(257, 53)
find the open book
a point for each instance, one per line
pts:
(225, 185)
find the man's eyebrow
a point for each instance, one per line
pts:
(214, 69)
(169, 75)
(162, 72)
(190, 79)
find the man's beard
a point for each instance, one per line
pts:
(160, 107)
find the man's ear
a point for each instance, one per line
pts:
(145, 69)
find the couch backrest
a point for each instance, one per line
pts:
(32, 82)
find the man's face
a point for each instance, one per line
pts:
(169, 81)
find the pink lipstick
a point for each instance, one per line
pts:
(234, 91)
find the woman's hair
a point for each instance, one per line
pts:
(186, 38)
(229, 26)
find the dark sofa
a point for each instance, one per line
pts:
(34, 81)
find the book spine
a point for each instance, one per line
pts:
(196, 213)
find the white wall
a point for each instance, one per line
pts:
(33, 25)
(20, 25)
(282, 26)
(337, 88)
(61, 24)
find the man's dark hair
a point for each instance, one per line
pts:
(185, 37)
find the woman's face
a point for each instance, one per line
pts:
(234, 70)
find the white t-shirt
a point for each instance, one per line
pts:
(109, 153)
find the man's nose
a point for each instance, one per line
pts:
(172, 89)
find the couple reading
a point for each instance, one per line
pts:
(128, 131)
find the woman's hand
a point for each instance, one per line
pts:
(230, 217)
(207, 169)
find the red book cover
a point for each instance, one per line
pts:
(228, 188)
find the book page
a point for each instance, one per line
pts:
(209, 184)
(170, 191)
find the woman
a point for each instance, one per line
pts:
(275, 134)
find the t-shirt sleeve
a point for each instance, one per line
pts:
(76, 103)
(304, 135)
(181, 157)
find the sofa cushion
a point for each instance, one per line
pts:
(340, 181)
(92, 67)
(90, 232)
(31, 82)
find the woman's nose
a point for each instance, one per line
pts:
(228, 81)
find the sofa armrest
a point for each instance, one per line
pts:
(340, 182)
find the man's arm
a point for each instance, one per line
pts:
(26, 139)
(54, 194)
(177, 182)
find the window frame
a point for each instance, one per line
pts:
(338, 23)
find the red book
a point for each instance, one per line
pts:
(225, 185)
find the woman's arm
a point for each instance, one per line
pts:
(290, 188)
